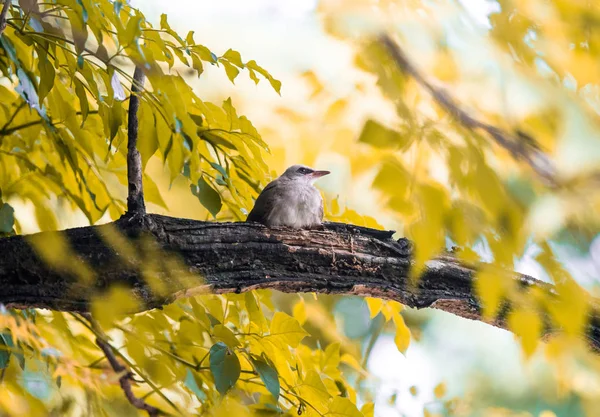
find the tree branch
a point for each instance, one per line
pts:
(520, 146)
(135, 196)
(236, 257)
(125, 379)
(3, 14)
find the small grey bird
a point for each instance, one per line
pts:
(290, 200)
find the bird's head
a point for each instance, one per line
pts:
(302, 173)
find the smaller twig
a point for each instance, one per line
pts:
(3, 14)
(516, 145)
(135, 195)
(12, 117)
(125, 380)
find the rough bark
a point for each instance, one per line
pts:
(236, 257)
(135, 195)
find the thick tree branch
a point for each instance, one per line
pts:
(235, 257)
(3, 14)
(520, 146)
(135, 195)
(125, 379)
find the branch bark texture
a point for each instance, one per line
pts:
(237, 257)
(135, 195)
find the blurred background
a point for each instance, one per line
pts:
(527, 66)
(324, 104)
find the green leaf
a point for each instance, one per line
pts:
(7, 218)
(225, 367)
(6, 347)
(380, 136)
(208, 197)
(220, 169)
(190, 382)
(269, 377)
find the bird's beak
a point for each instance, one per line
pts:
(318, 174)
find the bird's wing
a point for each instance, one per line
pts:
(263, 204)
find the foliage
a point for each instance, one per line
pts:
(66, 69)
(75, 148)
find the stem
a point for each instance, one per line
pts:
(519, 145)
(124, 381)
(135, 195)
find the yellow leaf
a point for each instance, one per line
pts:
(299, 311)
(380, 136)
(108, 308)
(152, 194)
(375, 305)
(445, 67)
(351, 361)
(390, 309)
(285, 331)
(527, 326)
(225, 335)
(490, 289)
(335, 110)
(314, 391)
(256, 316)
(343, 407)
(440, 390)
(368, 410)
(402, 338)
(330, 360)
(214, 305)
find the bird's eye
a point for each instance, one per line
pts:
(303, 171)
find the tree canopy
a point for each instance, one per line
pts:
(472, 182)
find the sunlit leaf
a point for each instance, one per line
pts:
(285, 331)
(402, 338)
(343, 407)
(527, 325)
(225, 335)
(380, 136)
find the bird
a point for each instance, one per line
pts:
(290, 200)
